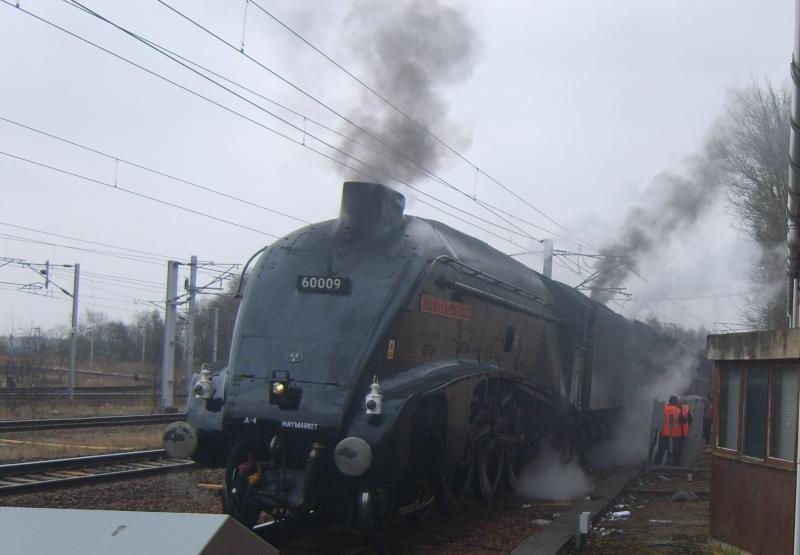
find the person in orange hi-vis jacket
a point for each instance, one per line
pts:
(671, 437)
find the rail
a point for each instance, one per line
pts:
(93, 393)
(15, 477)
(89, 422)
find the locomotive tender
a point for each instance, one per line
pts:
(381, 362)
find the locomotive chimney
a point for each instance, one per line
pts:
(369, 208)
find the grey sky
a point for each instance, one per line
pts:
(576, 105)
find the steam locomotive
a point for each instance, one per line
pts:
(383, 363)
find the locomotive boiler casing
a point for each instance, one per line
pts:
(440, 318)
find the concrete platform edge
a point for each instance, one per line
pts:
(553, 539)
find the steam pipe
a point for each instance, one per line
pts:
(793, 236)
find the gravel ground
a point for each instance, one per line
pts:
(503, 523)
(52, 444)
(487, 528)
(483, 528)
(656, 524)
(496, 527)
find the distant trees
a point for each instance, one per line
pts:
(116, 341)
(752, 145)
(132, 347)
(228, 307)
(23, 356)
(747, 156)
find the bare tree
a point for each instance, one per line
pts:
(747, 154)
(751, 145)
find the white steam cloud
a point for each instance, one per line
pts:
(548, 477)
(630, 438)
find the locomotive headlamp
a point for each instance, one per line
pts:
(283, 392)
(278, 388)
(353, 456)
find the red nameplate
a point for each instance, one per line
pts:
(448, 309)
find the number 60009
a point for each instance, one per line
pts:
(322, 284)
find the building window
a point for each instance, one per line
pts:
(784, 413)
(728, 435)
(756, 397)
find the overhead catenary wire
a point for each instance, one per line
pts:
(158, 172)
(305, 117)
(710, 296)
(62, 299)
(19, 238)
(55, 270)
(117, 187)
(578, 271)
(247, 118)
(138, 194)
(424, 171)
(470, 223)
(156, 256)
(403, 113)
(167, 53)
(151, 289)
(676, 305)
(174, 83)
(178, 59)
(155, 288)
(127, 287)
(154, 171)
(120, 281)
(87, 241)
(120, 255)
(276, 74)
(121, 278)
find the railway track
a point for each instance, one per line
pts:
(83, 391)
(29, 476)
(89, 422)
(98, 392)
(38, 390)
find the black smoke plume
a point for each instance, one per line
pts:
(409, 53)
(669, 207)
